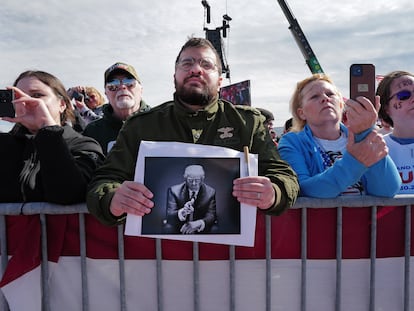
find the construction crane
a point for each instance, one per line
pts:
(300, 39)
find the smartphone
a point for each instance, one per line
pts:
(362, 81)
(6, 104)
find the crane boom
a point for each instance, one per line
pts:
(301, 40)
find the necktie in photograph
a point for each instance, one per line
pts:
(192, 197)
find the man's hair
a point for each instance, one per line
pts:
(200, 43)
(195, 170)
(288, 125)
(296, 100)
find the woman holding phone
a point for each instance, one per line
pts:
(42, 160)
(330, 158)
(45, 159)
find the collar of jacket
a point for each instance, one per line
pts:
(19, 130)
(108, 112)
(308, 131)
(207, 112)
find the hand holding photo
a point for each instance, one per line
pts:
(193, 193)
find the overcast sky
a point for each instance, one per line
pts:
(77, 40)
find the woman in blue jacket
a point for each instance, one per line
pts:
(330, 158)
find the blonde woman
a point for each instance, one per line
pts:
(330, 158)
(88, 101)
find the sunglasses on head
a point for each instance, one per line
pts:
(402, 95)
(115, 84)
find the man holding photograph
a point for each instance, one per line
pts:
(196, 115)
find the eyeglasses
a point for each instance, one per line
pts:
(206, 63)
(115, 84)
(402, 95)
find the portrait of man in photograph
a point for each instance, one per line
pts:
(191, 205)
(193, 196)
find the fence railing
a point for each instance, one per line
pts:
(303, 204)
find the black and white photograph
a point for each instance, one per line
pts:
(192, 187)
(192, 196)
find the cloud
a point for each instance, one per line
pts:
(78, 40)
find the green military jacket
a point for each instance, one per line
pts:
(219, 124)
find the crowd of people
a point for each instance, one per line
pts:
(68, 146)
(320, 156)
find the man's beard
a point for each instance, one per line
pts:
(194, 97)
(125, 104)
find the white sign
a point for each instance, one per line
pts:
(168, 169)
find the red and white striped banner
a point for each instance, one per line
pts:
(22, 274)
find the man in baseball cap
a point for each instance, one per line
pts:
(121, 67)
(124, 92)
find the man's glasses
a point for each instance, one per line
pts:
(115, 84)
(402, 95)
(206, 63)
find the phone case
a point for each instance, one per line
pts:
(362, 81)
(6, 105)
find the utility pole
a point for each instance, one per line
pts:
(300, 39)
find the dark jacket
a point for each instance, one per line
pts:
(106, 129)
(204, 205)
(55, 165)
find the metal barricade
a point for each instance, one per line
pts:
(402, 201)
